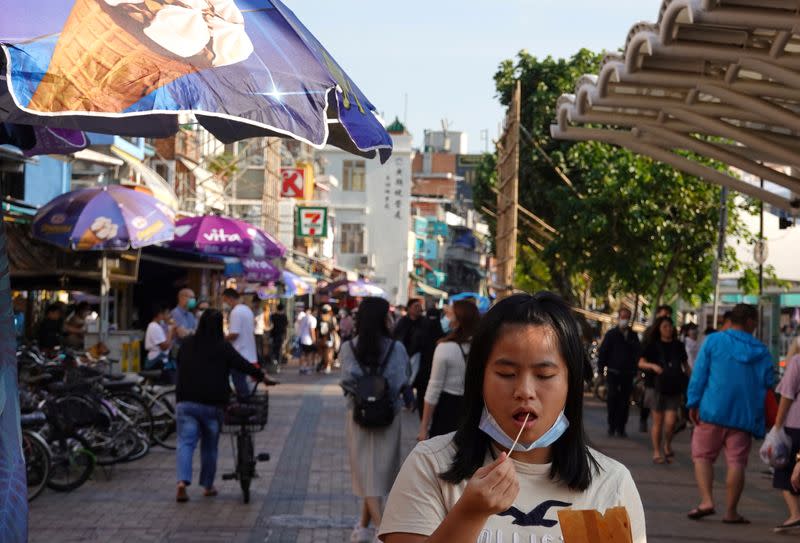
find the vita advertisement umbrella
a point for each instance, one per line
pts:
(213, 234)
(104, 219)
(129, 67)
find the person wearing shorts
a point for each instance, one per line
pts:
(726, 397)
(666, 358)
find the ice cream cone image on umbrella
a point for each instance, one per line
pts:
(112, 53)
(99, 233)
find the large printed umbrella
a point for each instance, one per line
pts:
(212, 234)
(104, 218)
(129, 67)
(41, 140)
(260, 271)
(295, 286)
(108, 218)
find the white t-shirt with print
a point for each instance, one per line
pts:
(420, 500)
(241, 321)
(153, 337)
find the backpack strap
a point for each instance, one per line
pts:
(386, 357)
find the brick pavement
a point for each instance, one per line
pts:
(303, 494)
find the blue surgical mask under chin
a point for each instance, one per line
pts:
(445, 322)
(490, 427)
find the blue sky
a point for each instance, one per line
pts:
(444, 53)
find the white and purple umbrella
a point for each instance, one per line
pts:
(212, 234)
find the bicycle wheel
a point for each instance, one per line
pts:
(140, 450)
(114, 448)
(135, 408)
(37, 462)
(72, 463)
(246, 463)
(165, 428)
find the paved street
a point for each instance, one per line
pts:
(303, 494)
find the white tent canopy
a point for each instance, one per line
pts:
(720, 78)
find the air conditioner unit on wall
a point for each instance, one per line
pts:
(367, 261)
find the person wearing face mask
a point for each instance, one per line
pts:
(619, 358)
(524, 377)
(183, 315)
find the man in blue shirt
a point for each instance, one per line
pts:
(726, 395)
(183, 315)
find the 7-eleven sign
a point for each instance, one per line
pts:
(312, 222)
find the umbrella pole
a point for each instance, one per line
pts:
(105, 285)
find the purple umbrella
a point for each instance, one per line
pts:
(104, 218)
(225, 236)
(260, 271)
(41, 140)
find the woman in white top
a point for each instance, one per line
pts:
(444, 396)
(524, 376)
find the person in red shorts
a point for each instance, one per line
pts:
(726, 397)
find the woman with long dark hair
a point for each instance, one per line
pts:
(524, 377)
(374, 451)
(205, 361)
(444, 395)
(665, 356)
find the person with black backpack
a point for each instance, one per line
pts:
(373, 372)
(666, 357)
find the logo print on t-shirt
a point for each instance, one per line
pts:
(536, 516)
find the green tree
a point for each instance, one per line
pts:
(634, 225)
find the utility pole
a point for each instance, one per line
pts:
(723, 227)
(508, 195)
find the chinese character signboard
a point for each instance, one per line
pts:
(293, 185)
(312, 222)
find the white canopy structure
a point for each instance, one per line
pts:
(720, 78)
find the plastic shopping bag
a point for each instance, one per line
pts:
(777, 448)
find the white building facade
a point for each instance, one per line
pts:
(371, 206)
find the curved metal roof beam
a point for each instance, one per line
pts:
(627, 140)
(633, 50)
(787, 77)
(777, 114)
(750, 18)
(732, 159)
(668, 18)
(746, 137)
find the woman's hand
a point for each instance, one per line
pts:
(492, 489)
(658, 370)
(422, 435)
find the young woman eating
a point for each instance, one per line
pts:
(525, 373)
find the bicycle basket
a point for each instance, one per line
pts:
(250, 414)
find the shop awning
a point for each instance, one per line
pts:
(149, 178)
(182, 259)
(427, 289)
(719, 79)
(88, 155)
(296, 269)
(210, 193)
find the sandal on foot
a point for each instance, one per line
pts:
(670, 454)
(659, 460)
(738, 520)
(210, 492)
(698, 512)
(787, 527)
(181, 496)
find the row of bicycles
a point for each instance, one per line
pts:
(78, 414)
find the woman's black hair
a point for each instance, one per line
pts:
(209, 334)
(572, 462)
(371, 330)
(655, 330)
